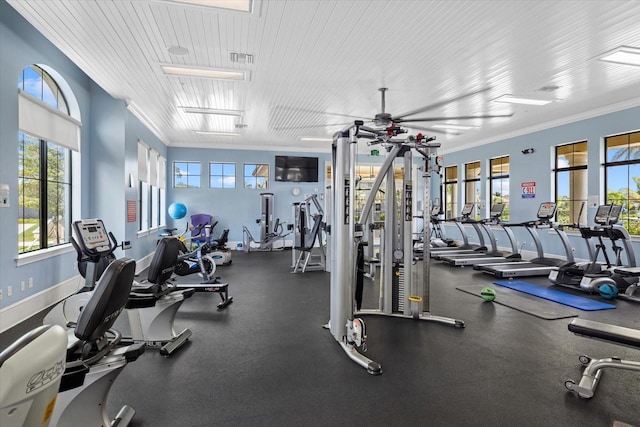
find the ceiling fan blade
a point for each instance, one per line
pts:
(437, 119)
(326, 113)
(432, 130)
(326, 125)
(441, 103)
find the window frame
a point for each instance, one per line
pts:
(257, 166)
(633, 138)
(558, 169)
(494, 177)
(223, 176)
(188, 174)
(477, 183)
(47, 84)
(453, 212)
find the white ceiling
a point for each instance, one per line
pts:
(316, 60)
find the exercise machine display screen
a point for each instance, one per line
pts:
(496, 210)
(546, 210)
(92, 235)
(467, 209)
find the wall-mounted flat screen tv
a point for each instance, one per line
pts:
(296, 169)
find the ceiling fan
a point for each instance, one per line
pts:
(384, 119)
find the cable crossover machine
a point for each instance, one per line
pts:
(402, 294)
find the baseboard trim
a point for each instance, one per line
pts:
(23, 309)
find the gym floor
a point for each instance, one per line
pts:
(266, 360)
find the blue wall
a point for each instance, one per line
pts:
(109, 137)
(233, 208)
(538, 167)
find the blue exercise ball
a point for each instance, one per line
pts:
(177, 210)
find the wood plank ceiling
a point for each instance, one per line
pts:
(317, 64)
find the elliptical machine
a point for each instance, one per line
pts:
(151, 309)
(588, 277)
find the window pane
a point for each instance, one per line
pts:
(180, 169)
(193, 181)
(193, 168)
(32, 82)
(500, 166)
(29, 215)
(228, 169)
(472, 170)
(617, 148)
(451, 173)
(215, 182)
(229, 182)
(30, 167)
(215, 168)
(571, 155)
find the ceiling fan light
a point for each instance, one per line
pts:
(214, 133)
(453, 127)
(525, 100)
(622, 55)
(207, 73)
(316, 139)
(214, 111)
(237, 5)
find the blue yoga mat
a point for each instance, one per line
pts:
(585, 304)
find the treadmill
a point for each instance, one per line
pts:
(541, 265)
(466, 247)
(490, 256)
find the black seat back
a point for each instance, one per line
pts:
(164, 260)
(222, 240)
(108, 301)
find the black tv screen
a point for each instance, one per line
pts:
(296, 169)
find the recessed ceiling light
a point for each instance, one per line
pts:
(514, 99)
(239, 5)
(622, 55)
(313, 138)
(209, 132)
(178, 50)
(453, 127)
(208, 73)
(219, 112)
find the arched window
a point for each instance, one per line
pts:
(47, 137)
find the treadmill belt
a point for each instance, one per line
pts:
(525, 303)
(581, 303)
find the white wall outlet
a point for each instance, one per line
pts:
(9, 290)
(23, 286)
(30, 282)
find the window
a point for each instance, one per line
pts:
(151, 188)
(622, 177)
(186, 174)
(499, 183)
(571, 183)
(472, 185)
(222, 175)
(451, 192)
(256, 176)
(47, 138)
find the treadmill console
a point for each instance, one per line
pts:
(607, 214)
(467, 210)
(92, 235)
(496, 210)
(546, 211)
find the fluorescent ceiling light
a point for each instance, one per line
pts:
(210, 132)
(209, 73)
(219, 112)
(453, 127)
(312, 138)
(514, 99)
(622, 55)
(239, 5)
